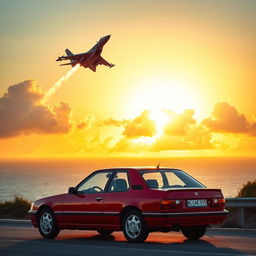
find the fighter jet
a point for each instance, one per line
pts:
(90, 59)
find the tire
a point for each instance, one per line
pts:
(193, 232)
(47, 224)
(104, 232)
(134, 227)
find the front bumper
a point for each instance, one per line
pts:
(33, 217)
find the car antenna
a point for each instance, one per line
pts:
(158, 165)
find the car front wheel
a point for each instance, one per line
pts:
(134, 227)
(47, 224)
(193, 232)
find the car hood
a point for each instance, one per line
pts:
(50, 200)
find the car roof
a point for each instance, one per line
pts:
(139, 168)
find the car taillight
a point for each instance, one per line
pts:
(171, 204)
(216, 202)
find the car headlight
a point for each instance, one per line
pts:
(32, 206)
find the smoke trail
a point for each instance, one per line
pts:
(56, 86)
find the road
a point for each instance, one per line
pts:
(19, 238)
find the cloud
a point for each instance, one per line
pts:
(179, 123)
(88, 122)
(253, 129)
(21, 112)
(226, 119)
(180, 133)
(142, 125)
(195, 137)
(113, 122)
(81, 125)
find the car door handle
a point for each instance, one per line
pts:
(98, 198)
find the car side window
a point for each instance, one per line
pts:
(95, 183)
(120, 182)
(153, 179)
(174, 180)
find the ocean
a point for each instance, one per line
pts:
(36, 178)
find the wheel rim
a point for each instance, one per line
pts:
(133, 226)
(46, 223)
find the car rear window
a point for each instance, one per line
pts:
(168, 179)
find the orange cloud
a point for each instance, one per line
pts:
(114, 122)
(88, 122)
(253, 129)
(193, 137)
(21, 112)
(180, 133)
(140, 126)
(226, 119)
(81, 125)
(179, 123)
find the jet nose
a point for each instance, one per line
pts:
(107, 37)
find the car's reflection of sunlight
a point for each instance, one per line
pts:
(213, 243)
(157, 242)
(173, 241)
(171, 238)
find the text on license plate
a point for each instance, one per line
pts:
(197, 203)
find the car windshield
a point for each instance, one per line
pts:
(168, 179)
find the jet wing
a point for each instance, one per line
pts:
(66, 64)
(102, 61)
(93, 68)
(77, 57)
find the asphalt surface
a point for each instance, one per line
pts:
(20, 238)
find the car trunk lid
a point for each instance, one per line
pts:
(193, 193)
(193, 199)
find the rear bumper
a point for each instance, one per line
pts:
(185, 214)
(155, 219)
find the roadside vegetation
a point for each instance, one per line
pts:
(249, 214)
(248, 189)
(16, 208)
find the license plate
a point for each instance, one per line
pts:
(197, 203)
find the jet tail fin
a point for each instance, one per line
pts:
(69, 53)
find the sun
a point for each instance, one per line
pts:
(158, 93)
(161, 119)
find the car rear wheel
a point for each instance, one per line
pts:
(193, 232)
(134, 227)
(47, 224)
(104, 232)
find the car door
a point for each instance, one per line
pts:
(115, 198)
(84, 208)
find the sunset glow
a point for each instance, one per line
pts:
(157, 93)
(183, 83)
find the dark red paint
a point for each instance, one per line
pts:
(157, 206)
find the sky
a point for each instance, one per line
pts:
(183, 83)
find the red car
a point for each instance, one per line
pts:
(134, 200)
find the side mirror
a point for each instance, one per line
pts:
(72, 190)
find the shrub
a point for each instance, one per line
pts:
(248, 189)
(17, 208)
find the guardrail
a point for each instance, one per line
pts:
(241, 203)
(244, 202)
